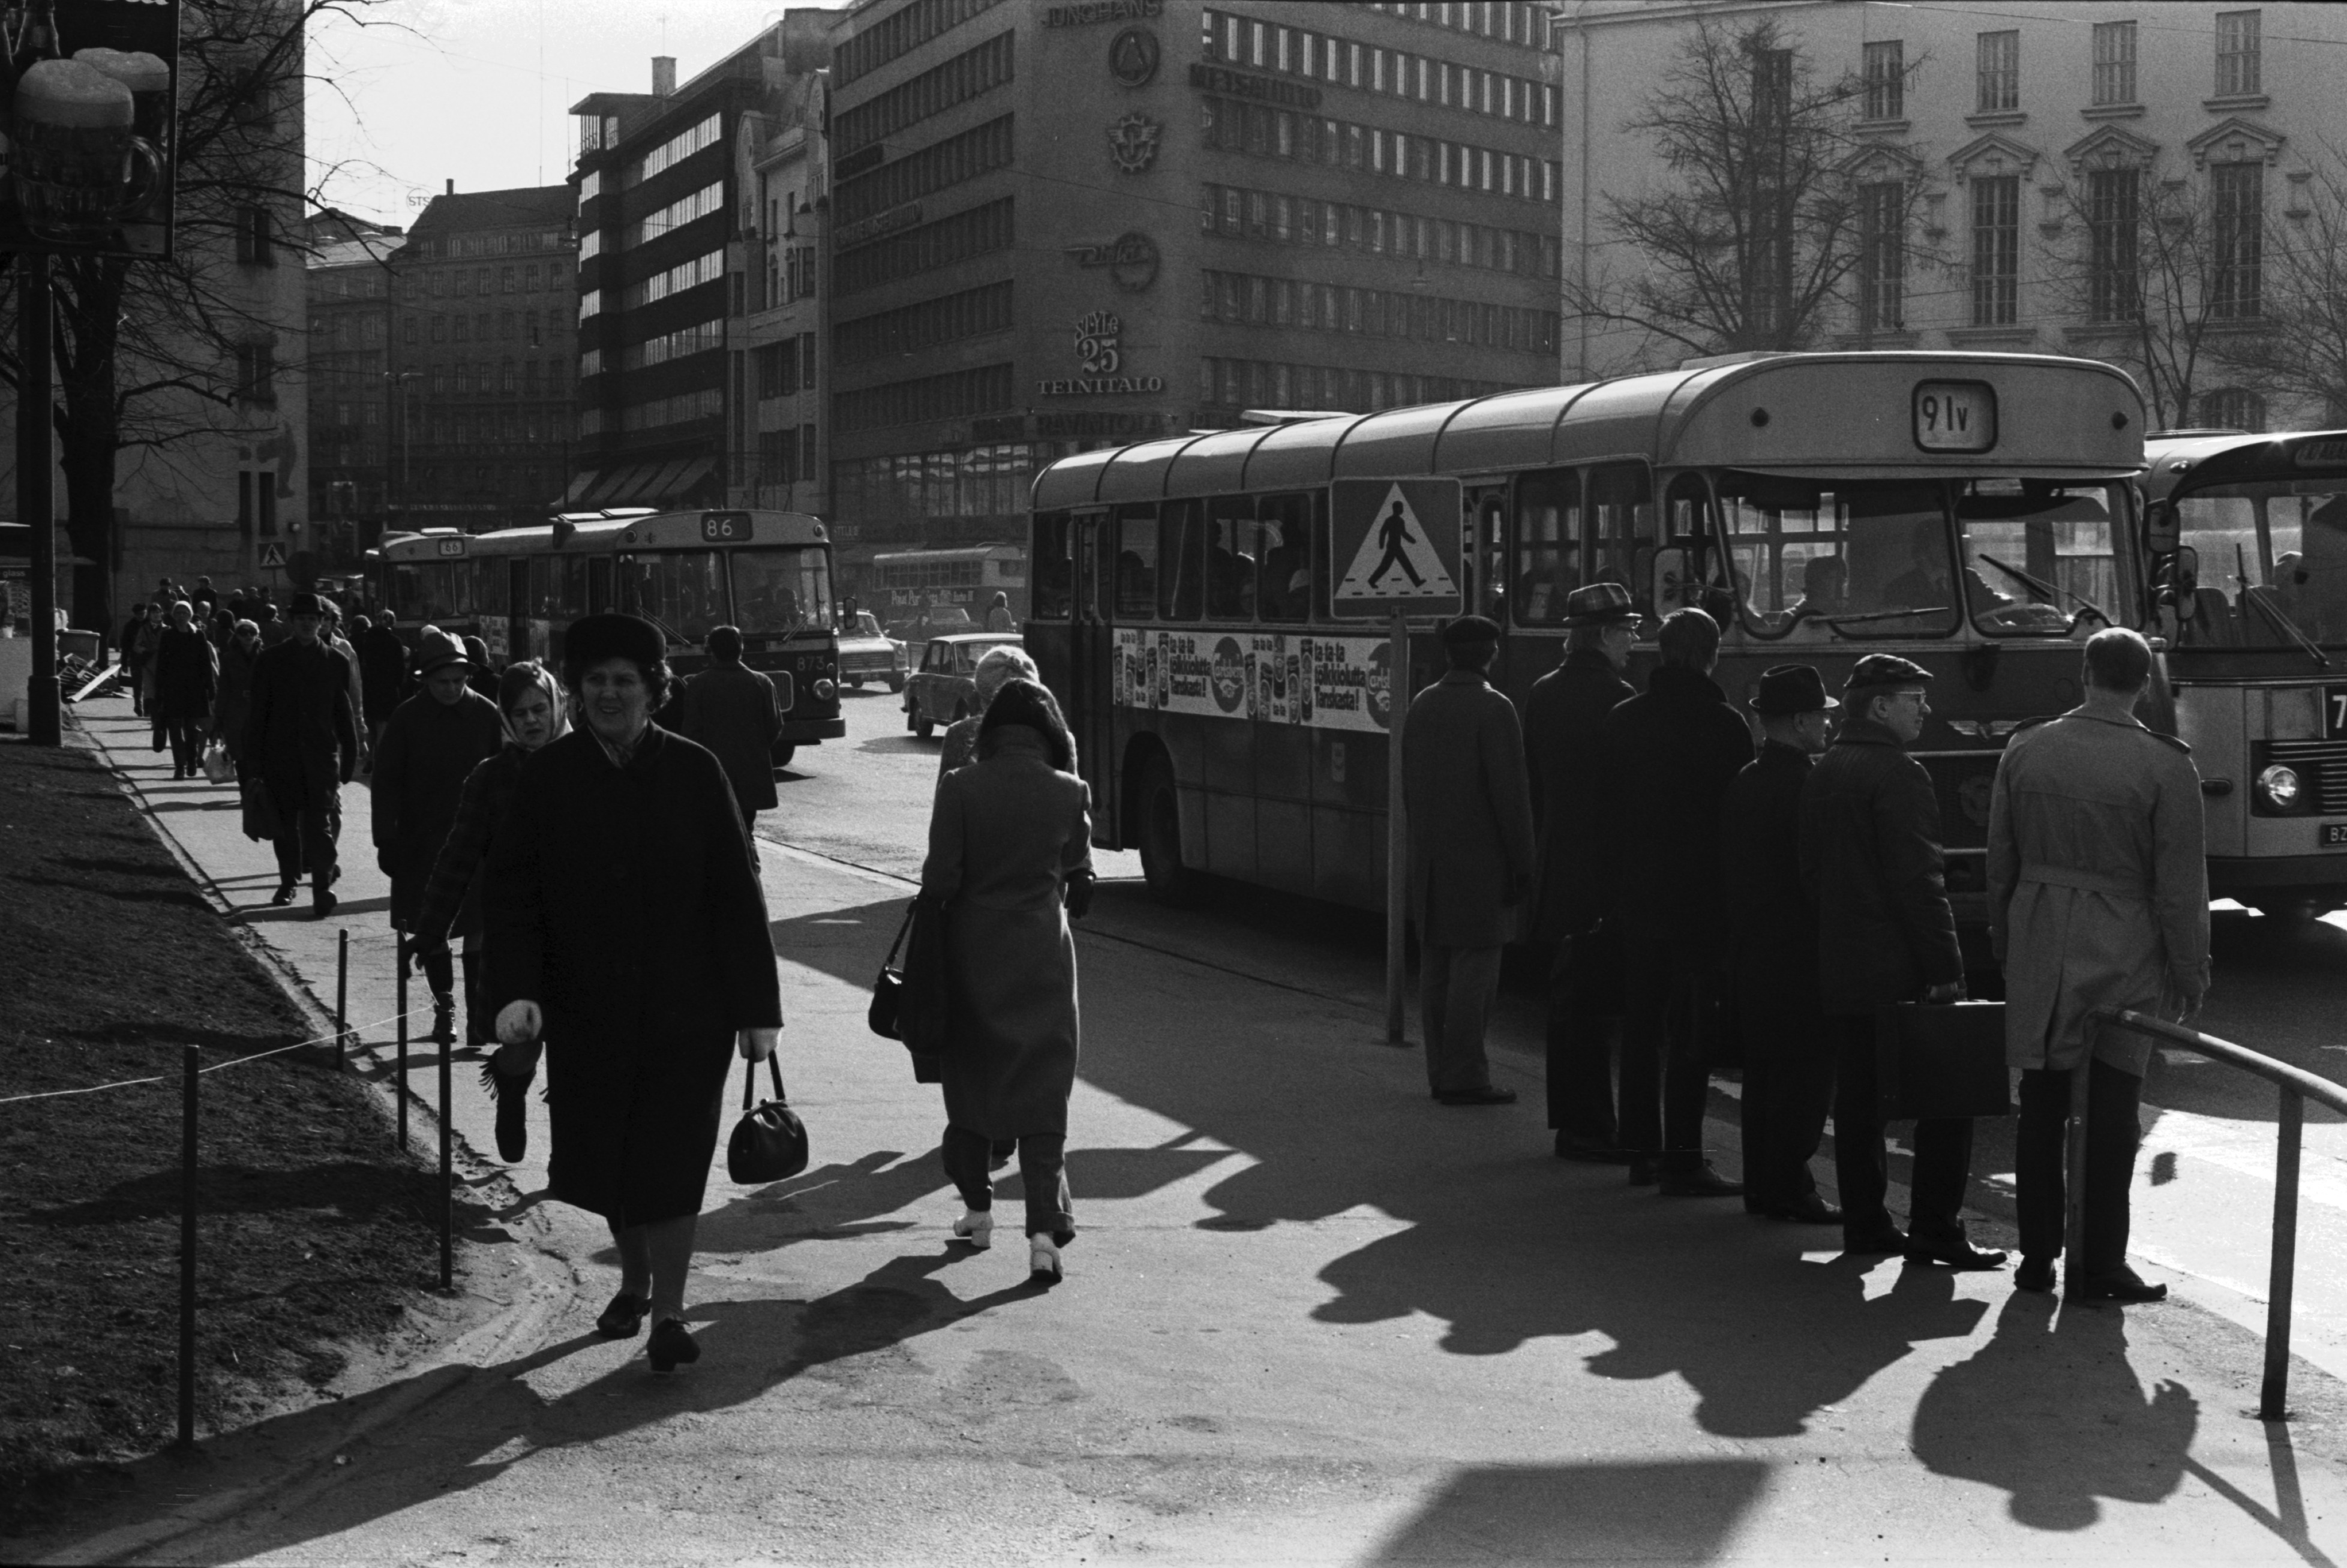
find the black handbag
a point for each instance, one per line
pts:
(1938, 1060)
(885, 1013)
(908, 1004)
(769, 1143)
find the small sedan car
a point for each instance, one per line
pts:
(868, 653)
(944, 689)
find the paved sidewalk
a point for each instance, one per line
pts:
(1310, 1318)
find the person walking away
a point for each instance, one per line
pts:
(132, 660)
(998, 614)
(433, 740)
(1772, 951)
(1468, 807)
(187, 676)
(332, 632)
(303, 735)
(1561, 721)
(2097, 898)
(626, 928)
(1010, 860)
(385, 681)
(530, 706)
(232, 700)
(275, 628)
(1871, 861)
(998, 664)
(732, 710)
(1669, 755)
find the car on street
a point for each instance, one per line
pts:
(944, 689)
(868, 653)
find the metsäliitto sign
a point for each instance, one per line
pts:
(1395, 543)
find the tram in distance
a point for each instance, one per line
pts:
(1973, 512)
(2248, 542)
(910, 587)
(768, 573)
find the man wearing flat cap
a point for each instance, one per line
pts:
(1871, 861)
(1562, 718)
(1772, 951)
(304, 733)
(1469, 814)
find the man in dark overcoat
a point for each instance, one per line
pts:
(1470, 816)
(1772, 951)
(1871, 861)
(732, 710)
(301, 734)
(1669, 755)
(384, 673)
(1562, 720)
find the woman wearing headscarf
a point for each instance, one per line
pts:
(627, 928)
(187, 674)
(233, 701)
(529, 704)
(1000, 663)
(1009, 859)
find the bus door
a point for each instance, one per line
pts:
(1482, 554)
(503, 628)
(1091, 644)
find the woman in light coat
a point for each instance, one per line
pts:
(1010, 860)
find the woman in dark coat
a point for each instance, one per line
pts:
(433, 741)
(627, 928)
(232, 700)
(187, 674)
(530, 701)
(1009, 859)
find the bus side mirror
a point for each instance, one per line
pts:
(2162, 532)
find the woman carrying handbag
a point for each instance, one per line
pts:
(1010, 860)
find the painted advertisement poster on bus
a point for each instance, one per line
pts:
(1270, 676)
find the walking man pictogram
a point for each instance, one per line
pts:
(1393, 535)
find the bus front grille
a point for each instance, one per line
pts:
(2327, 760)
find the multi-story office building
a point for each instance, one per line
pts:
(1056, 225)
(481, 367)
(2140, 184)
(778, 345)
(667, 414)
(351, 330)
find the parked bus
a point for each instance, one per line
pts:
(2250, 541)
(1973, 512)
(768, 573)
(909, 585)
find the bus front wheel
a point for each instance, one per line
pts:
(1160, 810)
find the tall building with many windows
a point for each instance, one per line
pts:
(1057, 224)
(2161, 186)
(351, 330)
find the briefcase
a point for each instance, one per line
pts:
(1938, 1060)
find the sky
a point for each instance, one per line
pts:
(479, 91)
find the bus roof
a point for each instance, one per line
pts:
(2171, 462)
(947, 552)
(660, 531)
(1788, 413)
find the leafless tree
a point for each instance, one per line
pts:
(2303, 359)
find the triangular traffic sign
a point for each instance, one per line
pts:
(1396, 560)
(273, 554)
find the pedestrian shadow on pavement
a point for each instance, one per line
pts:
(1672, 1511)
(846, 944)
(265, 913)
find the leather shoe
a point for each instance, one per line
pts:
(1489, 1094)
(1875, 1240)
(1590, 1151)
(1951, 1252)
(1646, 1170)
(2036, 1274)
(672, 1346)
(2125, 1286)
(321, 904)
(624, 1318)
(1699, 1180)
(283, 896)
(1809, 1210)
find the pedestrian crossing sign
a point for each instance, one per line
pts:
(270, 555)
(1396, 545)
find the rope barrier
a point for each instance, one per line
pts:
(233, 1062)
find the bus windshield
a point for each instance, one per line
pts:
(2285, 541)
(423, 593)
(681, 591)
(783, 589)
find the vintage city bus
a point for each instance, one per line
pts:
(768, 573)
(1974, 512)
(907, 586)
(2248, 541)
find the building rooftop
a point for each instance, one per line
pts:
(367, 248)
(530, 207)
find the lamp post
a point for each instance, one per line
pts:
(406, 444)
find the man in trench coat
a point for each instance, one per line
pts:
(732, 710)
(1469, 815)
(2097, 898)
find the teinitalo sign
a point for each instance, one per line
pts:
(89, 97)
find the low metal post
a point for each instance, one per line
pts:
(1397, 827)
(399, 1077)
(2073, 1183)
(2273, 1398)
(447, 1173)
(188, 1058)
(341, 998)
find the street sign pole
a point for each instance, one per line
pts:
(1397, 827)
(36, 492)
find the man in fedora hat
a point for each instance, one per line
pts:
(1772, 950)
(1562, 720)
(429, 744)
(1871, 861)
(303, 734)
(1470, 854)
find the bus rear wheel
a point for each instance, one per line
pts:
(1159, 810)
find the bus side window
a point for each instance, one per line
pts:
(570, 595)
(1234, 544)
(1285, 546)
(1136, 563)
(1054, 571)
(1622, 523)
(599, 585)
(1548, 545)
(1320, 566)
(1181, 552)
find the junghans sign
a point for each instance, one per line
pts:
(1131, 259)
(1097, 11)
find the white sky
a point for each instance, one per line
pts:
(478, 91)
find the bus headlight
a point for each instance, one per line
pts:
(2278, 786)
(823, 690)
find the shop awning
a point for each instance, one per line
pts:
(673, 483)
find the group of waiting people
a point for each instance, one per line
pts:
(1694, 890)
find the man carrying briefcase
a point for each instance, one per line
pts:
(1870, 856)
(2097, 898)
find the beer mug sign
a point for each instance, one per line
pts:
(82, 168)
